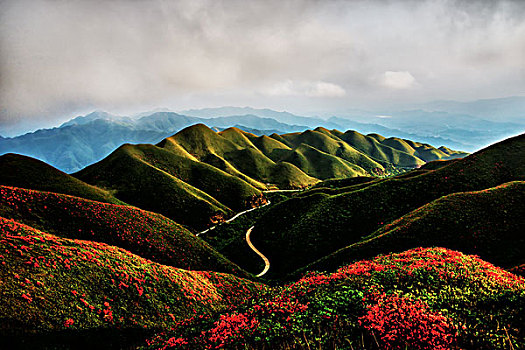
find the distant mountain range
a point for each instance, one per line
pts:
(87, 139)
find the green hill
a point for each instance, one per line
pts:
(147, 234)
(190, 192)
(316, 154)
(489, 223)
(198, 177)
(303, 229)
(381, 152)
(53, 286)
(27, 172)
(327, 143)
(234, 152)
(322, 165)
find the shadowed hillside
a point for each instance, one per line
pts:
(303, 229)
(26, 172)
(489, 223)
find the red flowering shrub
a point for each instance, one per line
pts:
(399, 322)
(430, 298)
(47, 279)
(231, 326)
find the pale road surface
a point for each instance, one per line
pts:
(232, 218)
(271, 191)
(266, 261)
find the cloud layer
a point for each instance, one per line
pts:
(61, 57)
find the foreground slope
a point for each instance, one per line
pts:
(489, 223)
(52, 284)
(147, 234)
(26, 172)
(301, 230)
(419, 299)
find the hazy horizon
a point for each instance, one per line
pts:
(63, 59)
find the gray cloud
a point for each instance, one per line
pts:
(58, 58)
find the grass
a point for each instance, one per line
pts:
(27, 172)
(488, 223)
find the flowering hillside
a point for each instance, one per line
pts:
(148, 234)
(53, 284)
(420, 299)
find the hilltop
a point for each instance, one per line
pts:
(84, 140)
(26, 172)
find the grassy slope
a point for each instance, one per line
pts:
(379, 151)
(27, 172)
(147, 234)
(332, 145)
(419, 299)
(227, 189)
(270, 147)
(42, 290)
(234, 152)
(137, 175)
(322, 165)
(296, 232)
(436, 164)
(489, 223)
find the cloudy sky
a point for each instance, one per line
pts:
(62, 58)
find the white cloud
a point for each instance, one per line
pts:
(141, 54)
(398, 80)
(304, 88)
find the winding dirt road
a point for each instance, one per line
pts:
(266, 261)
(233, 218)
(248, 233)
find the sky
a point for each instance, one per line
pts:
(59, 58)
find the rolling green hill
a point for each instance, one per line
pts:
(198, 177)
(27, 172)
(52, 286)
(306, 228)
(309, 156)
(147, 234)
(186, 190)
(489, 223)
(234, 152)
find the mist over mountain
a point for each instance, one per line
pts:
(84, 140)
